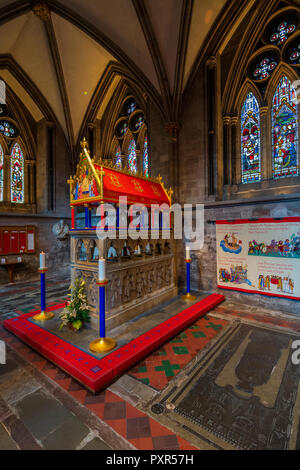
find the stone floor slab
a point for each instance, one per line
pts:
(96, 444)
(6, 442)
(41, 413)
(68, 436)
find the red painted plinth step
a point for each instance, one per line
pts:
(95, 373)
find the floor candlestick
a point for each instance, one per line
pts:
(43, 315)
(102, 344)
(188, 295)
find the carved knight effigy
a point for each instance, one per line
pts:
(140, 271)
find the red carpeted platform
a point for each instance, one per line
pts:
(95, 373)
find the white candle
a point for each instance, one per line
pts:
(42, 260)
(187, 252)
(101, 270)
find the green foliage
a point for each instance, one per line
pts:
(76, 312)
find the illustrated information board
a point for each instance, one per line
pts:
(259, 256)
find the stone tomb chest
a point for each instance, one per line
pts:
(141, 272)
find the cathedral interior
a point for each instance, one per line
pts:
(185, 102)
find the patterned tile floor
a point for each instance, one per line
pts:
(12, 295)
(263, 316)
(110, 419)
(161, 366)
(133, 428)
(138, 429)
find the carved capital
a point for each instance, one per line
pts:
(233, 120)
(264, 110)
(211, 62)
(41, 10)
(226, 120)
(172, 129)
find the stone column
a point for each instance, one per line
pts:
(124, 162)
(265, 147)
(6, 171)
(91, 139)
(212, 163)
(42, 168)
(27, 182)
(139, 160)
(173, 129)
(97, 137)
(33, 182)
(226, 150)
(235, 164)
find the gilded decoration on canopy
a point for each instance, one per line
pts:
(155, 190)
(137, 186)
(88, 185)
(115, 181)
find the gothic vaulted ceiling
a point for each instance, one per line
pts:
(64, 51)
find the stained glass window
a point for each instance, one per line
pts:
(118, 158)
(1, 173)
(130, 106)
(17, 174)
(136, 122)
(282, 32)
(121, 129)
(264, 68)
(293, 54)
(285, 131)
(250, 140)
(8, 129)
(146, 159)
(132, 162)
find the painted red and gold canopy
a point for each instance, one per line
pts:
(99, 182)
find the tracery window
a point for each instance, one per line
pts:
(282, 31)
(276, 156)
(264, 67)
(129, 138)
(285, 157)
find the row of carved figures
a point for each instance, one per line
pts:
(87, 250)
(130, 284)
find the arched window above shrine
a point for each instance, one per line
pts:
(132, 159)
(128, 147)
(146, 158)
(118, 158)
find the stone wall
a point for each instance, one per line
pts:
(192, 146)
(160, 148)
(58, 251)
(204, 264)
(193, 189)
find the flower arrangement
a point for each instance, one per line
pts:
(76, 312)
